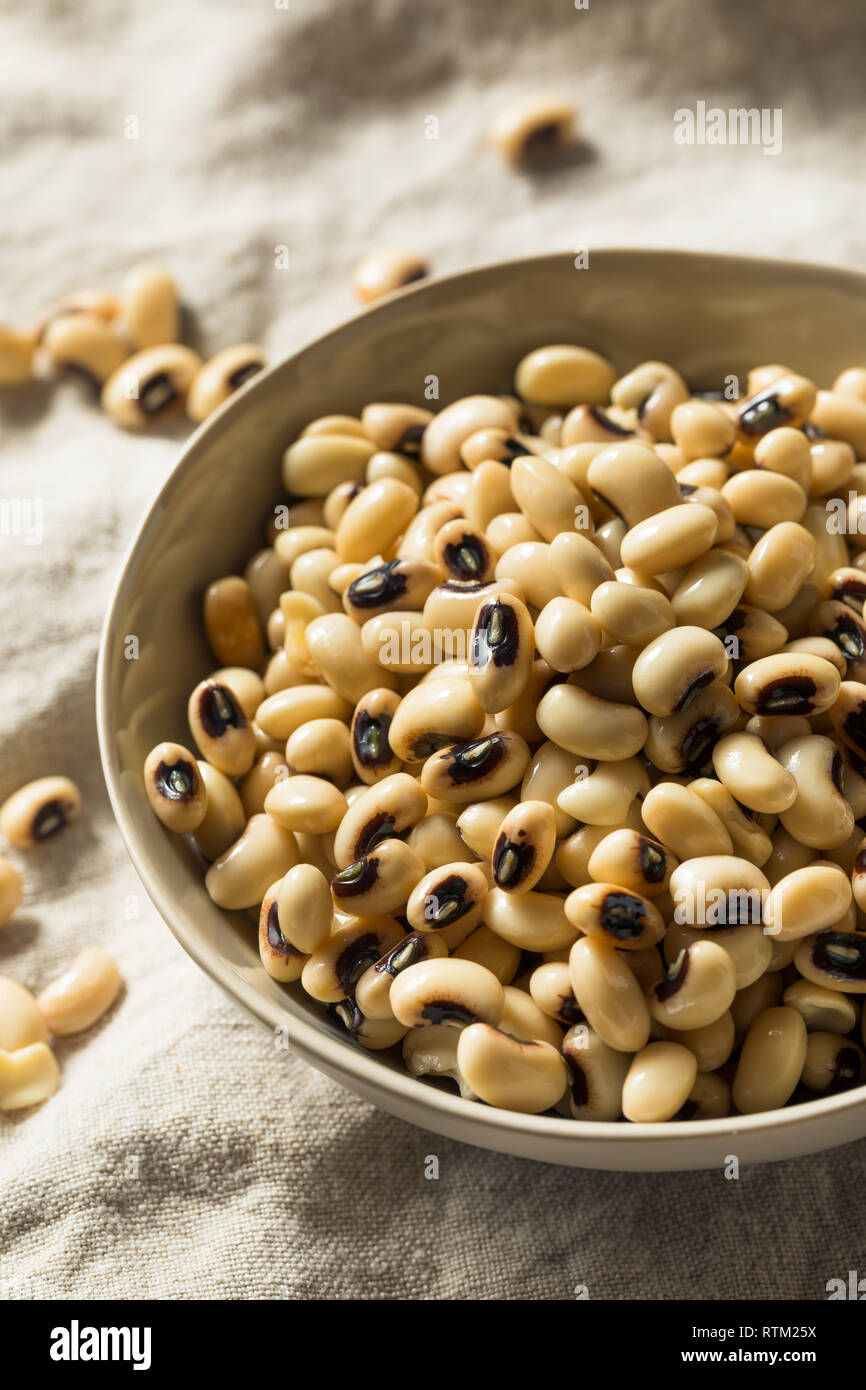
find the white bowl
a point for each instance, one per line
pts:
(709, 315)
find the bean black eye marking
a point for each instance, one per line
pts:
(219, 711)
(787, 695)
(157, 393)
(621, 914)
(448, 901)
(675, 977)
(762, 413)
(49, 819)
(512, 862)
(384, 584)
(371, 739)
(357, 878)
(470, 762)
(350, 965)
(497, 636)
(176, 782)
(276, 940)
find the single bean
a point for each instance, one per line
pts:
(82, 994)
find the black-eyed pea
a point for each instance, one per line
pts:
(226, 816)
(832, 1064)
(22, 1022)
(375, 519)
(788, 683)
(609, 538)
(463, 553)
(786, 855)
(749, 633)
(750, 950)
(373, 989)
(478, 824)
(851, 382)
(683, 742)
(335, 504)
(514, 1074)
(508, 529)
(771, 1061)
(437, 840)
(246, 685)
(712, 1045)
(241, 876)
(848, 716)
(150, 386)
(86, 342)
(82, 994)
(317, 463)
(501, 651)
(673, 667)
(432, 1051)
(494, 444)
(386, 270)
(532, 129)
(496, 955)
(841, 416)
(282, 960)
(310, 574)
(221, 730)
(834, 959)
(820, 816)
(372, 756)
(702, 429)
(564, 375)
(760, 498)
(334, 968)
(379, 882)
(833, 462)
(219, 378)
(150, 307)
(10, 892)
(527, 566)
(522, 1018)
(778, 565)
(434, 715)
(670, 539)
(39, 810)
(589, 726)
(838, 623)
(308, 804)
(305, 908)
(728, 535)
(785, 451)
(452, 992)
(232, 624)
(447, 432)
(284, 712)
(633, 482)
(453, 487)
(373, 1034)
(533, 921)
(787, 401)
(710, 589)
(605, 795)
(550, 987)
(482, 768)
(450, 611)
(630, 613)
(653, 389)
(175, 787)
(321, 748)
(290, 545)
(596, 1073)
(847, 584)
(448, 900)
(396, 428)
(752, 775)
(578, 566)
(609, 995)
(633, 861)
(684, 822)
(705, 476)
(718, 890)
(28, 1076)
(524, 846)
(520, 715)
(16, 356)
(574, 852)
(614, 914)
(400, 642)
(709, 1098)
(335, 645)
(388, 808)
(658, 1082)
(385, 466)
(547, 496)
(822, 1010)
(763, 993)
(417, 540)
(806, 901)
(698, 988)
(776, 729)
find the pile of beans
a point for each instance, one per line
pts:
(129, 345)
(536, 742)
(73, 1002)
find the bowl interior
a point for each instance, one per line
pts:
(708, 315)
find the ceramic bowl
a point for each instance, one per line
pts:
(709, 315)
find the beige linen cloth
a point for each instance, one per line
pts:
(182, 1156)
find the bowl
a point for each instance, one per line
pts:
(709, 315)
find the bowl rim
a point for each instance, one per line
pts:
(312, 1041)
